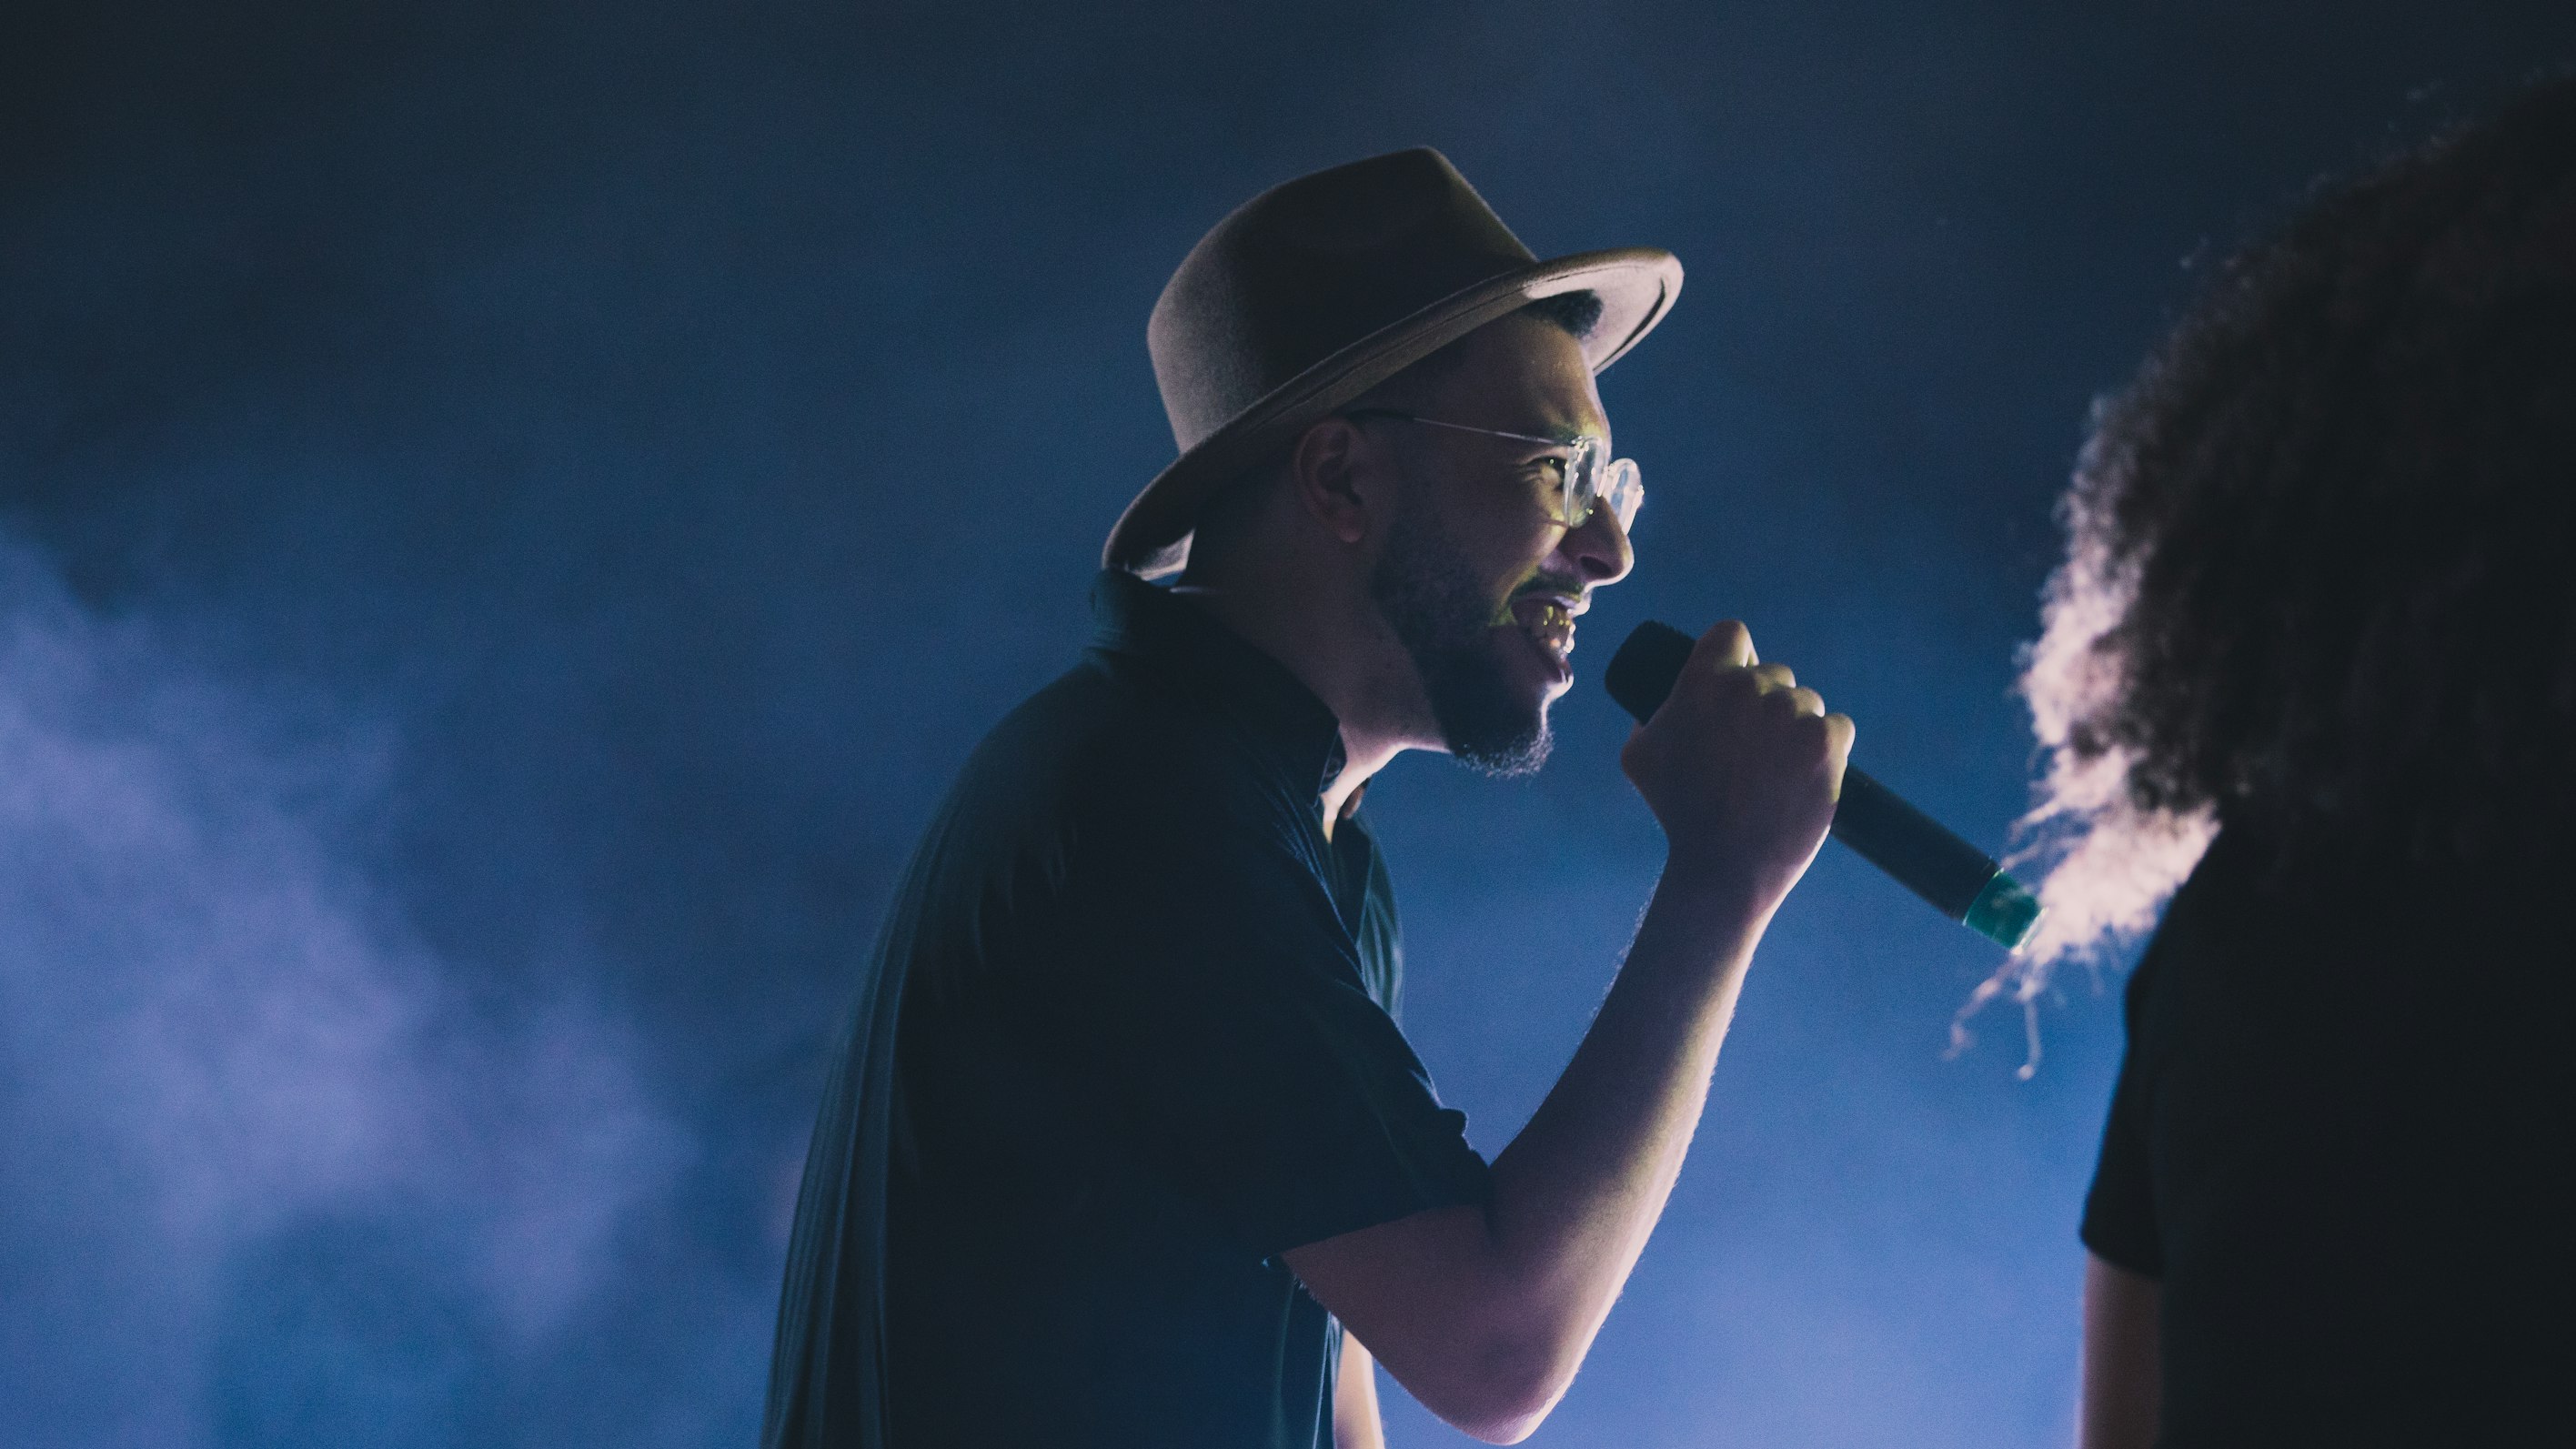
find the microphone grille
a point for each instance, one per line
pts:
(1641, 674)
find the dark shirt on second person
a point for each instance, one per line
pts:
(2343, 1140)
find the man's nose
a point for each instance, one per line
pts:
(1598, 552)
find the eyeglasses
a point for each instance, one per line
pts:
(1585, 479)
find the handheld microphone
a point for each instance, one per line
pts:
(1960, 881)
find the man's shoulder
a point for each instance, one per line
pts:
(1108, 738)
(1101, 715)
(1102, 793)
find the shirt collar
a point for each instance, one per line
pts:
(1211, 662)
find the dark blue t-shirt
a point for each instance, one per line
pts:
(2344, 1141)
(1142, 1040)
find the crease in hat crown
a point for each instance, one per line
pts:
(1321, 288)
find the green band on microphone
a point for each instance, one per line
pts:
(2005, 912)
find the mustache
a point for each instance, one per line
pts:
(1549, 584)
(1552, 584)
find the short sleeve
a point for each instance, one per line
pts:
(2120, 1211)
(1205, 986)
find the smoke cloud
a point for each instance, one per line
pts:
(274, 1176)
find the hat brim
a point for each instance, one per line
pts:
(1636, 286)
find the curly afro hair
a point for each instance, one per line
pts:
(2321, 567)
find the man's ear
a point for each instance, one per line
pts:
(1334, 474)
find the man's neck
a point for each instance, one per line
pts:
(1342, 796)
(1316, 647)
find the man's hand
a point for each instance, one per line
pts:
(1742, 767)
(1485, 1312)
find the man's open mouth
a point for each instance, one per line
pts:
(1548, 622)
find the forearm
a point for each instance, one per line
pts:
(1484, 1313)
(1577, 1193)
(2123, 1371)
(1355, 1418)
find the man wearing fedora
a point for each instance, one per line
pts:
(1124, 1145)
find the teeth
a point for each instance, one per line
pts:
(1552, 627)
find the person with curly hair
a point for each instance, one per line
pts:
(2318, 615)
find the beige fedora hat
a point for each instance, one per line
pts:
(1321, 288)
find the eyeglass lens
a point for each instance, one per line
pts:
(1595, 479)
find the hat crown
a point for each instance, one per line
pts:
(1311, 266)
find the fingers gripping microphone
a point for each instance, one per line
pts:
(1961, 881)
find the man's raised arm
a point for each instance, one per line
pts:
(1484, 1313)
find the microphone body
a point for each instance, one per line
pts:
(1961, 881)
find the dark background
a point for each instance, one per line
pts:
(510, 513)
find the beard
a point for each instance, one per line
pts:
(1429, 595)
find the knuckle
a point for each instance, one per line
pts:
(1730, 641)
